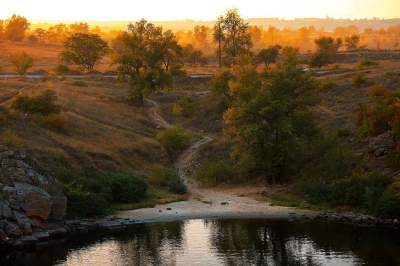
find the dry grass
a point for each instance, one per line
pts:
(96, 130)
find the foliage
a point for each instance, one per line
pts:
(93, 195)
(193, 56)
(366, 63)
(368, 191)
(83, 203)
(21, 62)
(84, 50)
(352, 42)
(214, 172)
(43, 103)
(150, 58)
(184, 107)
(169, 178)
(15, 28)
(381, 114)
(268, 56)
(359, 80)
(327, 48)
(233, 36)
(62, 69)
(270, 119)
(174, 140)
(56, 122)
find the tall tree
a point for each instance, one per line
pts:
(352, 42)
(268, 56)
(148, 56)
(16, 27)
(84, 50)
(270, 119)
(327, 49)
(233, 34)
(219, 38)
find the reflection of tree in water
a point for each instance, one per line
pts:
(156, 244)
(252, 242)
(247, 243)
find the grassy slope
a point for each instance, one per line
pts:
(103, 131)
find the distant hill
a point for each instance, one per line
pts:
(327, 24)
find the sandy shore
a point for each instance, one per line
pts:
(216, 204)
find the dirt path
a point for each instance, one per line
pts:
(203, 203)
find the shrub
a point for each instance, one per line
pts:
(359, 80)
(174, 140)
(83, 203)
(43, 103)
(80, 83)
(377, 91)
(327, 84)
(184, 107)
(170, 179)
(21, 62)
(215, 172)
(127, 188)
(62, 69)
(359, 190)
(366, 63)
(389, 204)
(56, 122)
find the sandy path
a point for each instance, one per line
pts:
(203, 203)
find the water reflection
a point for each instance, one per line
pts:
(224, 242)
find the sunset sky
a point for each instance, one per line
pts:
(103, 10)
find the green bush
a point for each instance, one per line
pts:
(174, 140)
(62, 69)
(170, 179)
(389, 204)
(184, 107)
(82, 203)
(101, 190)
(21, 62)
(359, 80)
(215, 172)
(363, 191)
(366, 63)
(43, 103)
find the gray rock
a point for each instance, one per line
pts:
(12, 230)
(5, 210)
(58, 208)
(33, 200)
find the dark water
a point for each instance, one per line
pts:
(224, 242)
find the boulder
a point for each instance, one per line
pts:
(33, 200)
(5, 210)
(12, 230)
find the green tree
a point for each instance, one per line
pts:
(233, 36)
(149, 57)
(270, 120)
(174, 140)
(16, 27)
(327, 49)
(84, 50)
(268, 56)
(21, 62)
(352, 42)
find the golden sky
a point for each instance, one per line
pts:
(103, 10)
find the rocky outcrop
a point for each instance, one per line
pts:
(28, 199)
(382, 145)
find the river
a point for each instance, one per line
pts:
(223, 242)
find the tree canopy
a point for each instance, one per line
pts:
(147, 55)
(84, 50)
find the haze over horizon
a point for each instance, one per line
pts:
(159, 10)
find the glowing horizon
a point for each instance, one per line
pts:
(161, 10)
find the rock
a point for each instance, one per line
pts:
(3, 236)
(5, 210)
(381, 145)
(12, 230)
(41, 235)
(24, 223)
(33, 200)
